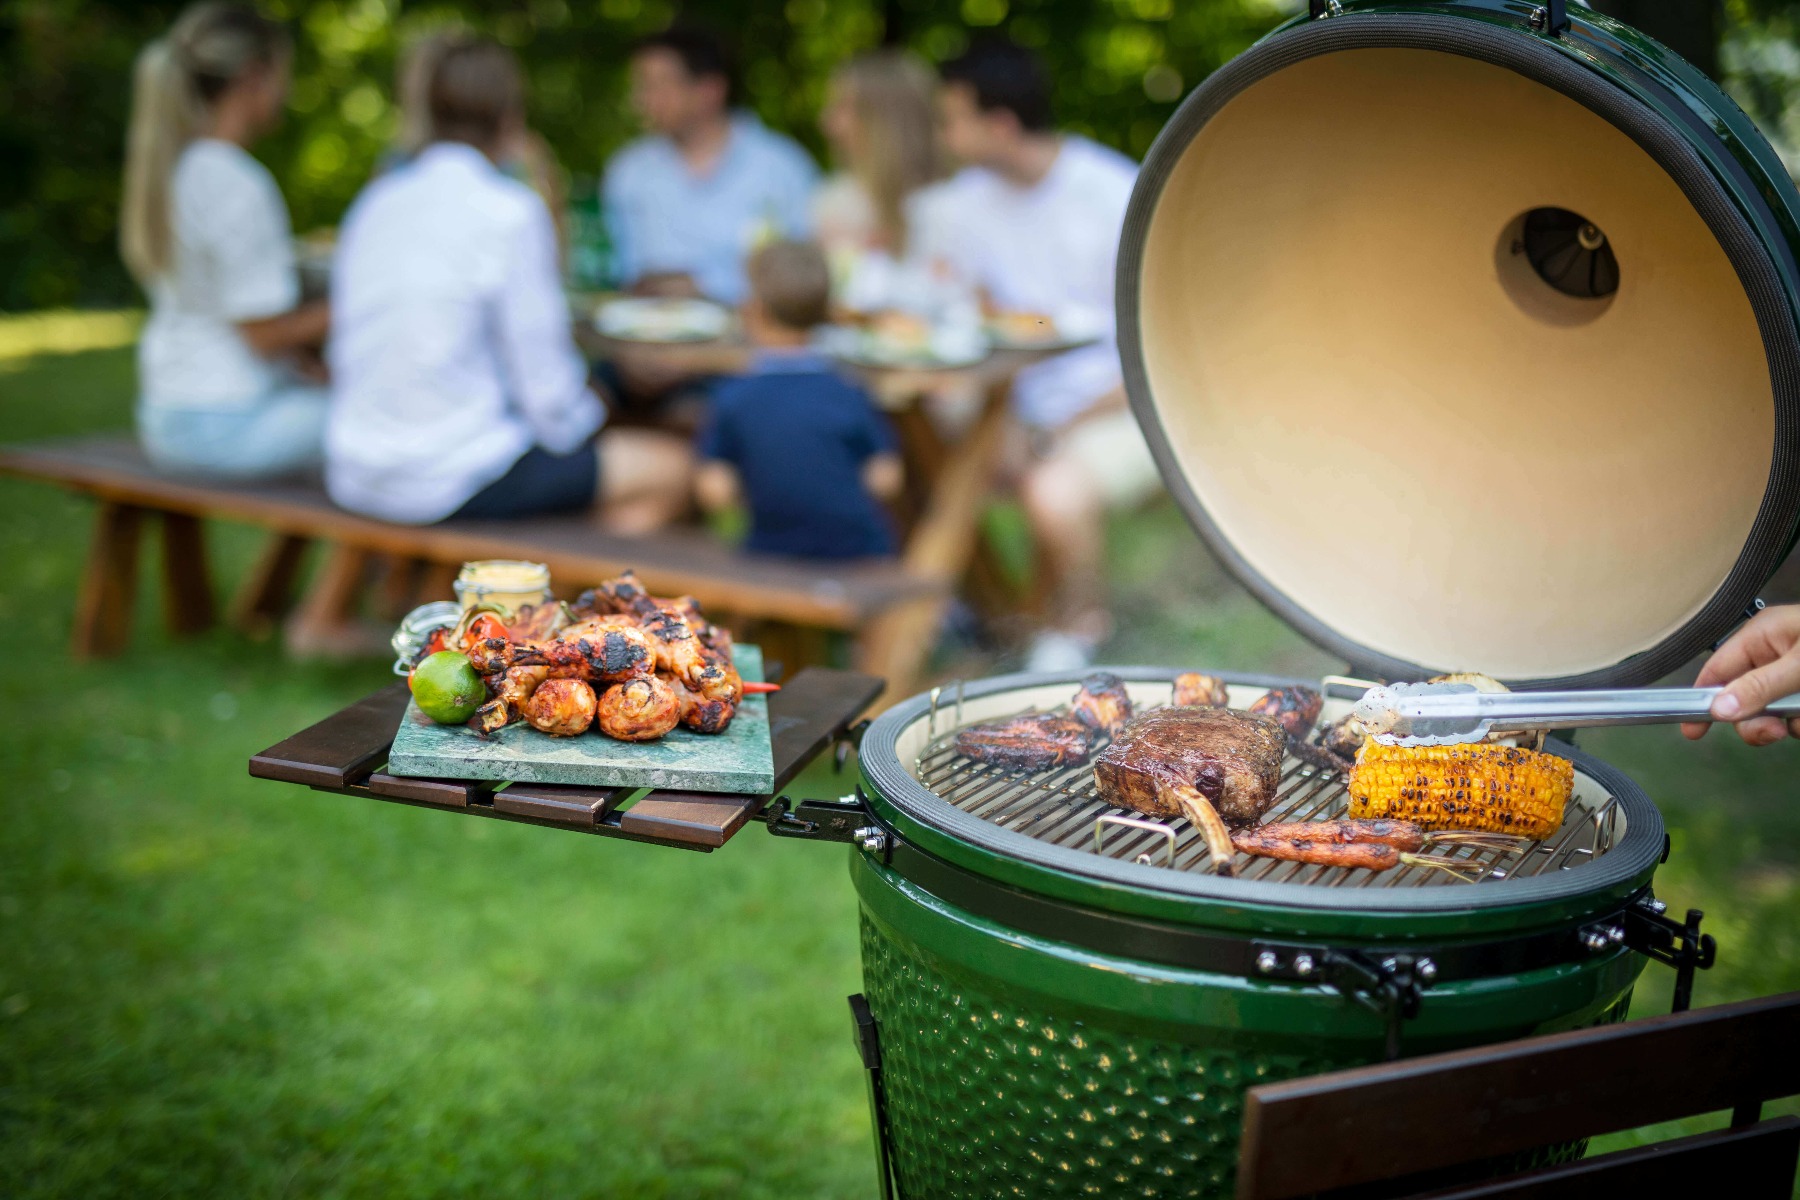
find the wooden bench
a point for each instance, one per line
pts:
(786, 602)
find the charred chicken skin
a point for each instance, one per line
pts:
(510, 690)
(1029, 742)
(561, 707)
(641, 709)
(1208, 691)
(1102, 703)
(653, 662)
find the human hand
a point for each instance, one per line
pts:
(1757, 664)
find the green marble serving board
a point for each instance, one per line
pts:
(738, 760)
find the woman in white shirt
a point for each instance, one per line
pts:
(880, 124)
(205, 232)
(457, 387)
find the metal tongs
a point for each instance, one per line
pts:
(1449, 714)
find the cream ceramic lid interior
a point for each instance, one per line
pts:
(1396, 423)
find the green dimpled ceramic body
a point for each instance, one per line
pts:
(1015, 1065)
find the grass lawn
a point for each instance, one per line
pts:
(211, 985)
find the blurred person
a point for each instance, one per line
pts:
(1033, 221)
(457, 387)
(881, 126)
(204, 230)
(691, 199)
(1757, 665)
(802, 446)
(527, 158)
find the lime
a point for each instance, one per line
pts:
(447, 689)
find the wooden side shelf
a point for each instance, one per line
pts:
(344, 754)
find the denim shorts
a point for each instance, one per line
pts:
(279, 434)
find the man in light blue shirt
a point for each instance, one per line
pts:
(688, 202)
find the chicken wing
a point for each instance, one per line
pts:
(702, 715)
(1296, 708)
(639, 710)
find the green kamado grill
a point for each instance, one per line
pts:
(1465, 335)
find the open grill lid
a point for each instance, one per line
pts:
(1469, 346)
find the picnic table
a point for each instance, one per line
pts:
(949, 473)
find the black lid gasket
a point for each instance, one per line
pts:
(1627, 866)
(1777, 522)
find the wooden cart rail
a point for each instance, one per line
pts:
(1389, 1127)
(343, 754)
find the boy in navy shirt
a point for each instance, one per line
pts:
(801, 445)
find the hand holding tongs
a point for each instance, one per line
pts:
(1446, 714)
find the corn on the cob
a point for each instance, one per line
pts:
(1502, 788)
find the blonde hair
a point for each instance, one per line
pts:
(412, 87)
(175, 82)
(891, 93)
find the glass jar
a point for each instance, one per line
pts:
(503, 582)
(417, 626)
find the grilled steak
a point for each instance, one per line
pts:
(1102, 702)
(1027, 743)
(1231, 758)
(1295, 707)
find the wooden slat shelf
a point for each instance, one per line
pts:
(344, 754)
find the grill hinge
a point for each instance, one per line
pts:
(1644, 927)
(1391, 986)
(818, 820)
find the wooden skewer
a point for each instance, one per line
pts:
(760, 689)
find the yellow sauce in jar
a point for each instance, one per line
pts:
(509, 584)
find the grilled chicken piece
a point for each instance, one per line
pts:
(1345, 737)
(495, 715)
(714, 637)
(536, 622)
(1233, 759)
(641, 709)
(1102, 702)
(510, 689)
(1194, 688)
(702, 715)
(1296, 708)
(614, 648)
(561, 707)
(1030, 742)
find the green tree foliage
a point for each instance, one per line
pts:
(65, 68)
(1119, 65)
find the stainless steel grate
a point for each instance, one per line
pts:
(1060, 806)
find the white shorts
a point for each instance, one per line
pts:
(1112, 450)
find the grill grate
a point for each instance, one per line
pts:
(1061, 806)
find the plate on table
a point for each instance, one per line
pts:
(741, 759)
(1036, 331)
(662, 319)
(904, 344)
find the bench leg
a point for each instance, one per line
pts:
(325, 623)
(262, 599)
(437, 582)
(398, 575)
(103, 610)
(187, 583)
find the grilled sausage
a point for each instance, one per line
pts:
(1374, 856)
(1401, 835)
